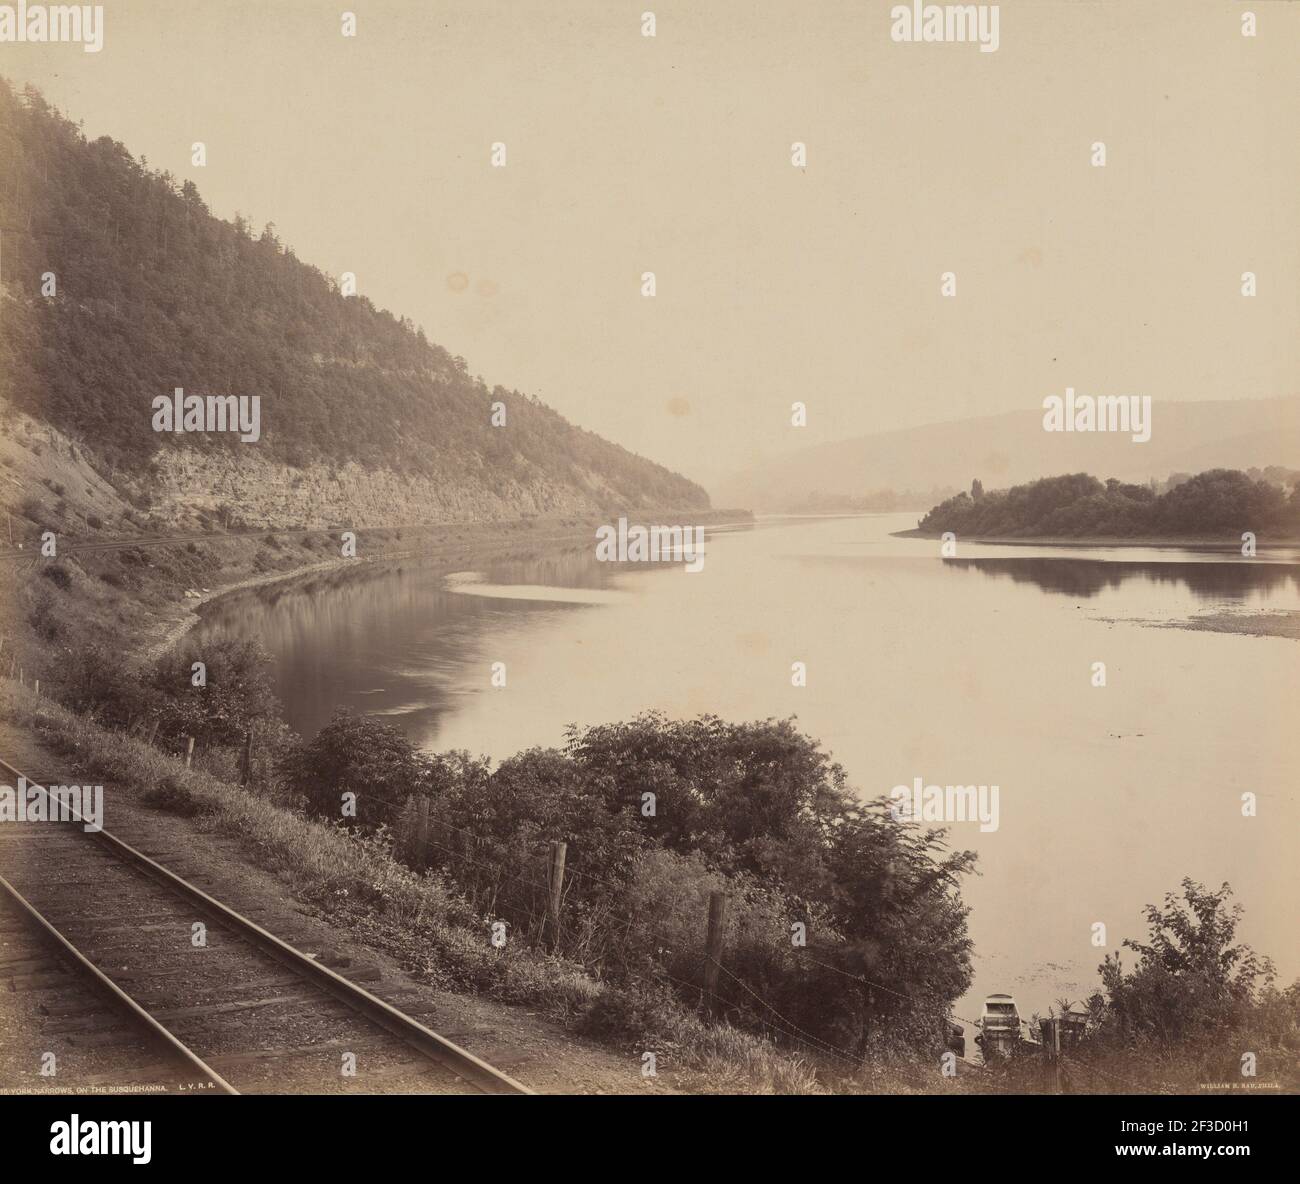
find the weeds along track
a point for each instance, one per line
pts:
(164, 968)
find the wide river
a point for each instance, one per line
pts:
(969, 671)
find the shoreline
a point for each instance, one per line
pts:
(475, 542)
(1184, 542)
(181, 627)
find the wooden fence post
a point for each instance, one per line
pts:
(713, 949)
(189, 750)
(420, 847)
(441, 840)
(1051, 1036)
(558, 851)
(246, 760)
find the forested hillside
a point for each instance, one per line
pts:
(153, 293)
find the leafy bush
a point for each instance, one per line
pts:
(89, 679)
(1193, 980)
(236, 694)
(355, 753)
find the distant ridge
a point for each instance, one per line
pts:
(1009, 449)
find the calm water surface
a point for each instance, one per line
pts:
(975, 670)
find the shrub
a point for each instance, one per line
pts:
(1191, 980)
(236, 695)
(169, 795)
(43, 616)
(90, 679)
(58, 576)
(637, 1012)
(357, 753)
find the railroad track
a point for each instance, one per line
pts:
(162, 963)
(22, 556)
(90, 546)
(61, 1023)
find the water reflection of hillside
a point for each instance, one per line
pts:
(389, 640)
(355, 585)
(1234, 580)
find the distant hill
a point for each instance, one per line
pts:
(361, 415)
(1010, 449)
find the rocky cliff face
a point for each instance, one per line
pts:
(189, 485)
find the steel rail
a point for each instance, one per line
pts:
(109, 987)
(424, 1040)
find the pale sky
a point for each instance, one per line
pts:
(628, 154)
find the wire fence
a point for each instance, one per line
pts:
(762, 1008)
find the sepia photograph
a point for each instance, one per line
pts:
(697, 549)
